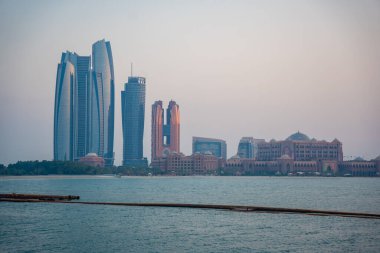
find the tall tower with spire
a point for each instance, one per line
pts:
(133, 114)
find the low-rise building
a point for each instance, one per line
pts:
(92, 159)
(360, 167)
(181, 165)
(285, 165)
(216, 147)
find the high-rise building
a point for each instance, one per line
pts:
(133, 113)
(165, 137)
(248, 147)
(71, 105)
(102, 102)
(83, 82)
(84, 105)
(216, 147)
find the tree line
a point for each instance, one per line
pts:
(66, 168)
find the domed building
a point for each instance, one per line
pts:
(300, 147)
(360, 167)
(300, 155)
(298, 137)
(92, 159)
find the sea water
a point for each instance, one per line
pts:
(49, 227)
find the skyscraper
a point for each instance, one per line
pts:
(165, 137)
(133, 113)
(83, 65)
(71, 105)
(84, 105)
(102, 102)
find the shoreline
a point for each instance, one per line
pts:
(111, 176)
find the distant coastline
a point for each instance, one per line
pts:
(40, 168)
(69, 168)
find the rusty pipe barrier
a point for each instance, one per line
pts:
(239, 208)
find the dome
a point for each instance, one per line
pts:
(285, 157)
(298, 137)
(235, 157)
(91, 155)
(359, 159)
(92, 159)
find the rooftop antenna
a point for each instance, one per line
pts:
(131, 68)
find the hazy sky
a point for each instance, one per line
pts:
(236, 68)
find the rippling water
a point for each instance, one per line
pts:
(45, 227)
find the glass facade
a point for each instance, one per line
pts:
(103, 100)
(81, 105)
(70, 110)
(133, 114)
(216, 147)
(84, 105)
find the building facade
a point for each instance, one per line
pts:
(84, 105)
(165, 134)
(285, 165)
(299, 155)
(360, 167)
(133, 114)
(92, 159)
(181, 165)
(300, 147)
(248, 147)
(71, 107)
(102, 93)
(216, 147)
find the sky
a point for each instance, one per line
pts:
(236, 68)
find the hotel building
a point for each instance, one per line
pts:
(181, 165)
(300, 147)
(165, 134)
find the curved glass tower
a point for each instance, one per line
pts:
(102, 102)
(84, 105)
(70, 110)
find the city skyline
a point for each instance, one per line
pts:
(261, 69)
